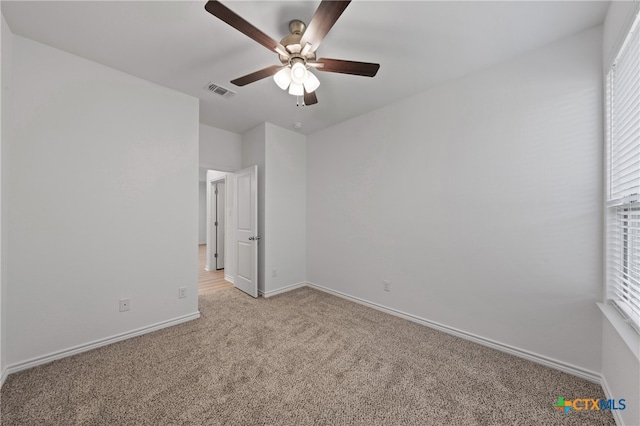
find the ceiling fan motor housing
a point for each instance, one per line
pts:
(292, 44)
(297, 27)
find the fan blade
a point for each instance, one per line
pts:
(225, 14)
(310, 98)
(366, 69)
(255, 76)
(327, 14)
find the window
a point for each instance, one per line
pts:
(623, 178)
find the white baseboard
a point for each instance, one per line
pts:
(33, 362)
(3, 377)
(282, 289)
(228, 278)
(522, 353)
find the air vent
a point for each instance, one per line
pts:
(219, 90)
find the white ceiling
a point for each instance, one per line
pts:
(418, 44)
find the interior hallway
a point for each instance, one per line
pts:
(209, 281)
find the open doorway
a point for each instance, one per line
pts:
(231, 249)
(213, 266)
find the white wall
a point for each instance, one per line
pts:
(202, 213)
(480, 201)
(219, 149)
(280, 155)
(285, 208)
(620, 364)
(101, 202)
(5, 70)
(253, 153)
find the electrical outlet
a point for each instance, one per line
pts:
(125, 304)
(182, 292)
(386, 285)
(274, 272)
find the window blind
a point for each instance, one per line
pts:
(623, 177)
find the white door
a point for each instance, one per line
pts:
(245, 244)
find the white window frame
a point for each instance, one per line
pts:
(622, 162)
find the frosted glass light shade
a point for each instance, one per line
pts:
(283, 78)
(298, 73)
(296, 89)
(311, 83)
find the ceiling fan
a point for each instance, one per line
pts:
(296, 51)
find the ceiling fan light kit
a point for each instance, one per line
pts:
(296, 78)
(296, 51)
(296, 89)
(283, 78)
(298, 73)
(311, 83)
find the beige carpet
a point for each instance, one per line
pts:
(304, 357)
